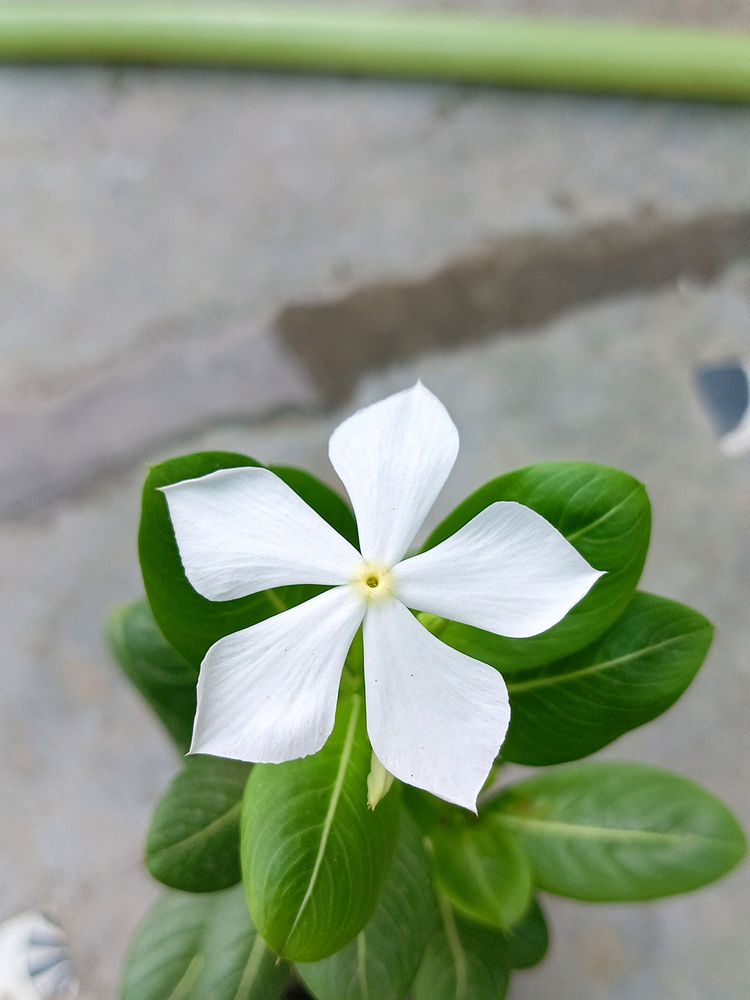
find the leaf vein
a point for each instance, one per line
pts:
(330, 814)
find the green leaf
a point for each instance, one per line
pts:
(201, 947)
(190, 622)
(528, 940)
(163, 677)
(463, 962)
(483, 871)
(321, 498)
(384, 957)
(604, 514)
(194, 840)
(612, 832)
(314, 858)
(630, 675)
(427, 810)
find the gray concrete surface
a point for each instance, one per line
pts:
(175, 247)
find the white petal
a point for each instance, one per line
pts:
(240, 531)
(393, 458)
(436, 717)
(268, 693)
(508, 571)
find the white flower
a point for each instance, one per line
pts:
(436, 718)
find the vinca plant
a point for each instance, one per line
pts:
(342, 826)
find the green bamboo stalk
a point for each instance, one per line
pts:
(670, 62)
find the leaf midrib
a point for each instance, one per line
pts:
(338, 786)
(194, 969)
(204, 832)
(251, 969)
(475, 864)
(277, 601)
(189, 977)
(456, 947)
(603, 517)
(362, 965)
(594, 668)
(586, 832)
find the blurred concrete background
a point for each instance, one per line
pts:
(224, 259)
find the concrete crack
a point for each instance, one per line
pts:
(58, 445)
(519, 283)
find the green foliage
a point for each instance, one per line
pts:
(528, 940)
(383, 959)
(481, 869)
(629, 676)
(426, 901)
(165, 680)
(426, 809)
(463, 961)
(314, 858)
(616, 832)
(194, 840)
(603, 513)
(190, 622)
(201, 947)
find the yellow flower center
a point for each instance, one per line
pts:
(373, 582)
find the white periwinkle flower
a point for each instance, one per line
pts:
(436, 718)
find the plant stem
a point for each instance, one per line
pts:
(673, 62)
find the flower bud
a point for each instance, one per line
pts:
(379, 782)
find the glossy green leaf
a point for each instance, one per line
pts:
(528, 940)
(463, 961)
(321, 498)
(384, 957)
(194, 840)
(163, 677)
(633, 673)
(314, 857)
(425, 809)
(201, 947)
(604, 513)
(483, 871)
(190, 622)
(612, 832)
